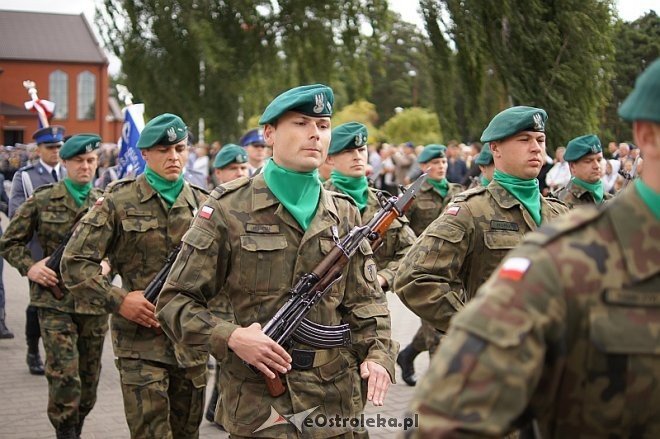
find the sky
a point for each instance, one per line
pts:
(629, 10)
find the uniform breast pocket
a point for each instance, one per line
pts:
(54, 225)
(261, 262)
(142, 234)
(623, 367)
(500, 242)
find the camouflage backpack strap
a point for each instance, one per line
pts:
(112, 186)
(562, 225)
(222, 189)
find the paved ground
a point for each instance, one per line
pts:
(23, 397)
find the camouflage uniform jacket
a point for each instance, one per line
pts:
(49, 213)
(575, 195)
(566, 331)
(132, 227)
(245, 244)
(398, 238)
(428, 205)
(459, 250)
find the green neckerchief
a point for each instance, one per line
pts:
(299, 192)
(484, 181)
(78, 191)
(167, 189)
(595, 189)
(356, 187)
(525, 191)
(441, 185)
(650, 197)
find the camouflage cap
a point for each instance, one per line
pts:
(514, 120)
(253, 137)
(79, 144)
(644, 101)
(49, 135)
(314, 100)
(431, 152)
(351, 135)
(485, 157)
(581, 146)
(230, 153)
(165, 129)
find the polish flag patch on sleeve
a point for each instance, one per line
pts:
(453, 210)
(514, 268)
(206, 212)
(99, 201)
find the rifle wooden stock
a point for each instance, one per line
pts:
(275, 385)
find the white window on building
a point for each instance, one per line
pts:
(58, 84)
(86, 96)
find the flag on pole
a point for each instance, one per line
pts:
(44, 109)
(130, 159)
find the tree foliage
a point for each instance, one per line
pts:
(417, 125)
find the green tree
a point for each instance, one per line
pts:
(417, 125)
(637, 45)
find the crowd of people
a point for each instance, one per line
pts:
(535, 285)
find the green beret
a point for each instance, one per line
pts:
(644, 101)
(581, 146)
(431, 152)
(351, 135)
(514, 120)
(79, 144)
(229, 153)
(485, 157)
(314, 100)
(165, 129)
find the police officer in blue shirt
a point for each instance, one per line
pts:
(46, 170)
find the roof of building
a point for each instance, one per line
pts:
(48, 37)
(12, 110)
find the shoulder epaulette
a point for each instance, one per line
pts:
(564, 224)
(43, 187)
(468, 193)
(26, 168)
(113, 185)
(222, 189)
(342, 195)
(199, 188)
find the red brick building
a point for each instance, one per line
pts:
(61, 55)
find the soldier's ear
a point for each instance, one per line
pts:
(269, 134)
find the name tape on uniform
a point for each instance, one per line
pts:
(514, 268)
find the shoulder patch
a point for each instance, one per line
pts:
(225, 188)
(468, 193)
(575, 219)
(118, 183)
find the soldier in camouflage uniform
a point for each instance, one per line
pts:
(230, 163)
(584, 155)
(135, 225)
(459, 250)
(486, 165)
(251, 240)
(348, 157)
(565, 331)
(72, 333)
(436, 192)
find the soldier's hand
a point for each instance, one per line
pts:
(378, 381)
(42, 275)
(138, 309)
(258, 349)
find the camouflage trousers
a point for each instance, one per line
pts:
(162, 401)
(427, 338)
(73, 345)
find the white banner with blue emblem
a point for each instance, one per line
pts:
(130, 159)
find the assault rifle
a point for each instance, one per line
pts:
(153, 289)
(56, 257)
(289, 322)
